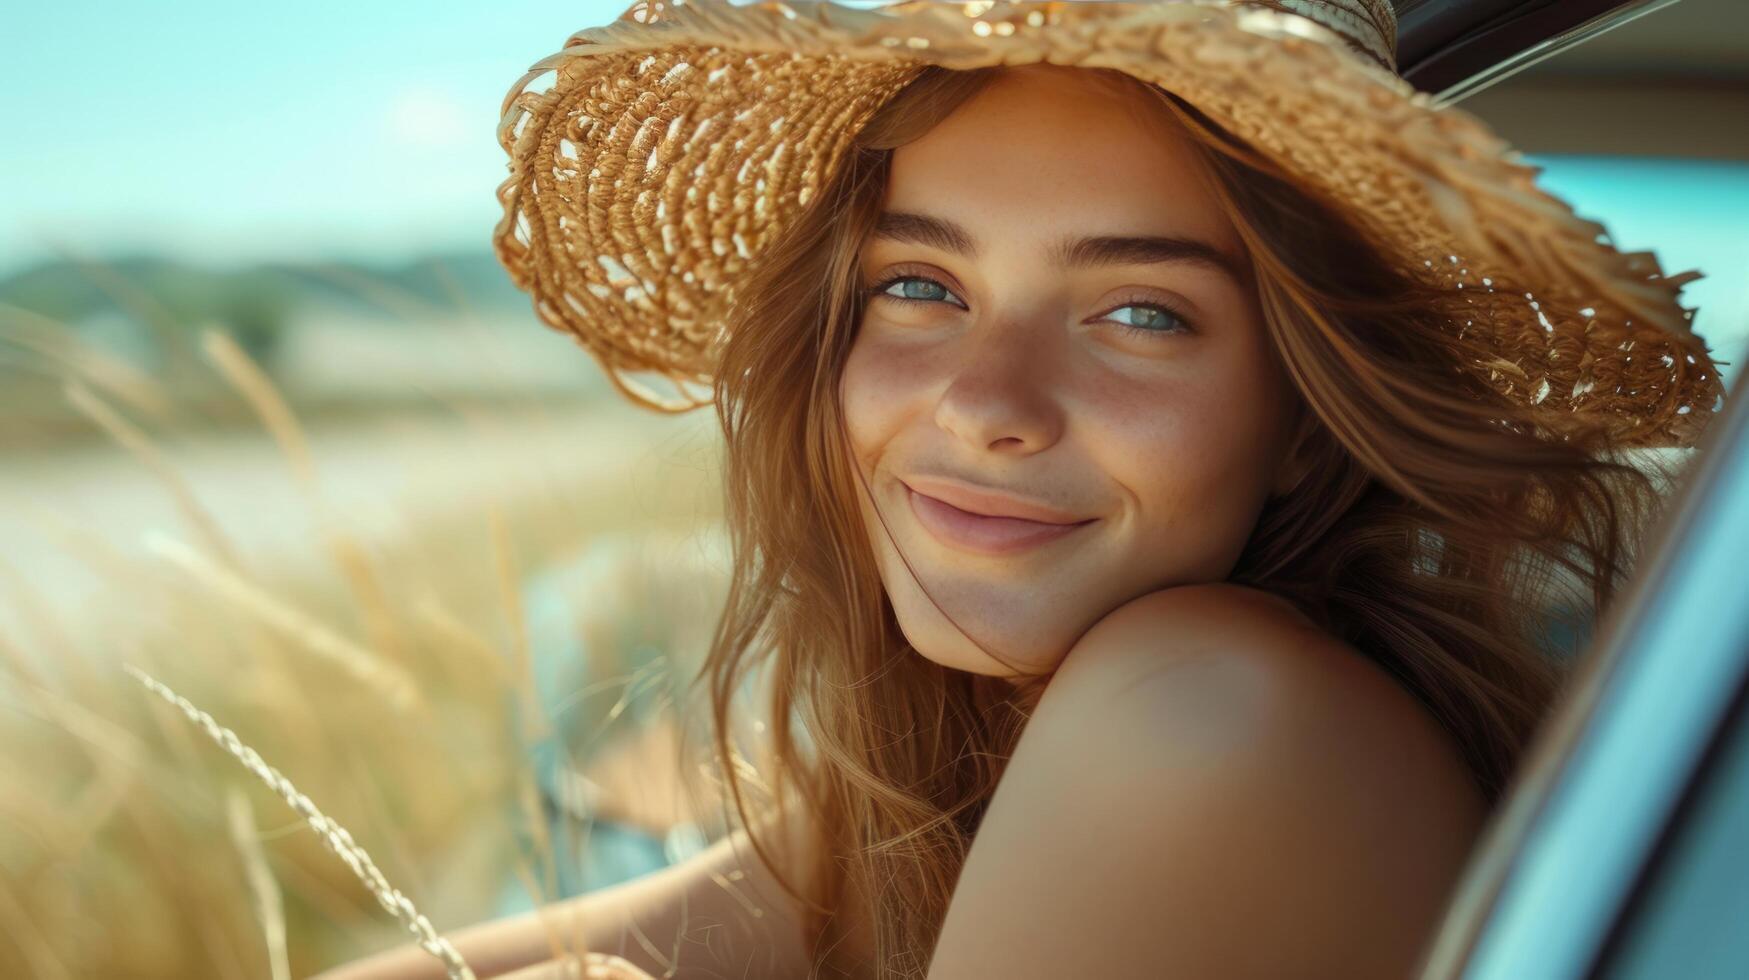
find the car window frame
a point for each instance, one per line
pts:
(1453, 49)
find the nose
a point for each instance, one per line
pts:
(1003, 393)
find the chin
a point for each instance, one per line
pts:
(942, 644)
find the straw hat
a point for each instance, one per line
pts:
(676, 142)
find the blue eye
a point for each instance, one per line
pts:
(880, 289)
(1165, 320)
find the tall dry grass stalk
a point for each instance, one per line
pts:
(392, 683)
(269, 906)
(334, 836)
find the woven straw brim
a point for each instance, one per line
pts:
(675, 143)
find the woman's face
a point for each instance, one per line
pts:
(1084, 337)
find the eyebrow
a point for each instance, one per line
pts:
(1066, 253)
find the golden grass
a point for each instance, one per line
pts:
(269, 906)
(392, 675)
(334, 836)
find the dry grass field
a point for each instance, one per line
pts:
(433, 621)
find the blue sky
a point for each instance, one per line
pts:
(229, 133)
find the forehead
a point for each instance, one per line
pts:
(1045, 149)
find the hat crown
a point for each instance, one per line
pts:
(1369, 25)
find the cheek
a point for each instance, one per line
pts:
(873, 392)
(1161, 441)
(1196, 453)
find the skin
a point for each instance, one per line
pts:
(1020, 376)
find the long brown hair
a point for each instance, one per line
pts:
(1435, 531)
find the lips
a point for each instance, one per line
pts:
(983, 534)
(985, 502)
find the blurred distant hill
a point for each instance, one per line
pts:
(72, 291)
(335, 337)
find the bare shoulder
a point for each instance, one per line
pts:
(1271, 670)
(1190, 620)
(1212, 786)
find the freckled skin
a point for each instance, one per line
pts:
(1172, 440)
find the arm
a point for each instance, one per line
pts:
(698, 916)
(1211, 787)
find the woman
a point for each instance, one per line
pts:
(1149, 560)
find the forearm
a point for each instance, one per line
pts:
(716, 914)
(494, 948)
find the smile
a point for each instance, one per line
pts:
(966, 531)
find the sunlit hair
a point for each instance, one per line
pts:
(1432, 532)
